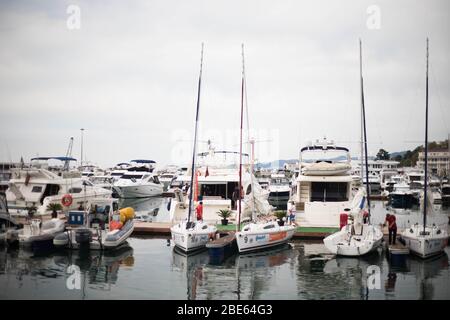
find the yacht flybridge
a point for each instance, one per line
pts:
(31, 190)
(324, 186)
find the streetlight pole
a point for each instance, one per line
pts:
(82, 132)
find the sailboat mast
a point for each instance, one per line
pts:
(238, 226)
(365, 131)
(194, 155)
(361, 165)
(426, 152)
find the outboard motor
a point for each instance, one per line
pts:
(83, 237)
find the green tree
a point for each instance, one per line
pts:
(382, 155)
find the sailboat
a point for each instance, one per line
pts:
(359, 236)
(257, 235)
(191, 235)
(423, 240)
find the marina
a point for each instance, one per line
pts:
(224, 151)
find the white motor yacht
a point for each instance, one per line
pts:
(32, 190)
(324, 186)
(139, 181)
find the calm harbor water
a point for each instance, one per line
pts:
(149, 268)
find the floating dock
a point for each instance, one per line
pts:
(163, 228)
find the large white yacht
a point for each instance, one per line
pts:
(139, 181)
(324, 186)
(218, 179)
(33, 189)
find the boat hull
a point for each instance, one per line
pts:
(141, 191)
(425, 247)
(342, 244)
(254, 240)
(190, 240)
(107, 241)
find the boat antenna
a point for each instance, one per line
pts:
(426, 151)
(238, 226)
(191, 204)
(365, 129)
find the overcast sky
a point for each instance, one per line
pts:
(129, 75)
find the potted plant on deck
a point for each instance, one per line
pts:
(224, 214)
(280, 214)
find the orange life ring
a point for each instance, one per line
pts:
(66, 200)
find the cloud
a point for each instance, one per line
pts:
(129, 75)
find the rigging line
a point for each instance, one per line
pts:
(365, 135)
(251, 146)
(436, 89)
(194, 156)
(238, 226)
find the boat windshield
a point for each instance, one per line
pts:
(131, 176)
(279, 181)
(329, 155)
(117, 174)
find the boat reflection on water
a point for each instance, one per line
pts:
(321, 275)
(98, 267)
(147, 209)
(191, 265)
(356, 272)
(52, 274)
(238, 277)
(427, 274)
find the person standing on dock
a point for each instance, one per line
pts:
(392, 227)
(199, 211)
(291, 210)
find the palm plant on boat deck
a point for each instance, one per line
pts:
(224, 214)
(280, 214)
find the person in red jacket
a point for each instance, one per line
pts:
(392, 227)
(199, 211)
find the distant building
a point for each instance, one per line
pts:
(375, 166)
(438, 161)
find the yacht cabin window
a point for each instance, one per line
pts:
(131, 176)
(329, 191)
(37, 189)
